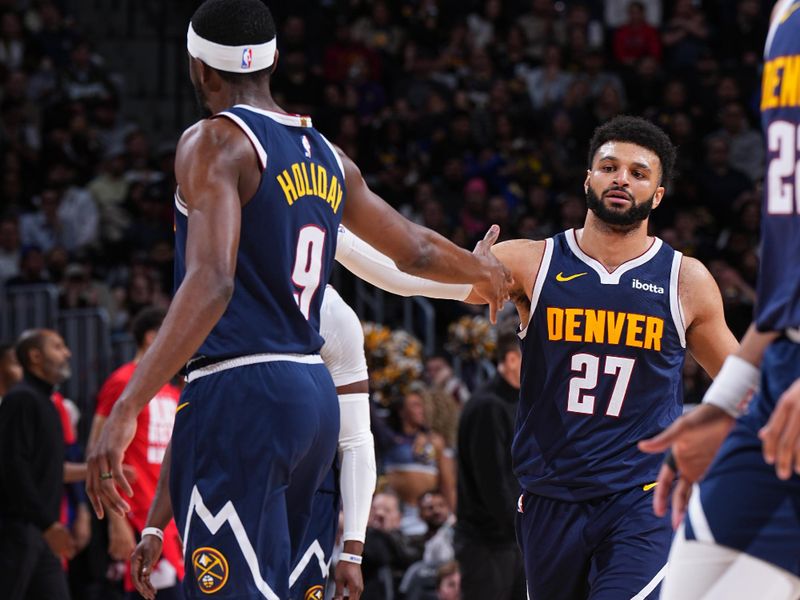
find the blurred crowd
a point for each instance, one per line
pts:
(460, 114)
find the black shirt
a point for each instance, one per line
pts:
(31, 454)
(487, 488)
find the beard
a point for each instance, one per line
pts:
(621, 220)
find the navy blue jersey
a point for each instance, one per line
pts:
(602, 358)
(287, 242)
(779, 280)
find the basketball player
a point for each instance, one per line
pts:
(607, 313)
(343, 354)
(260, 194)
(741, 535)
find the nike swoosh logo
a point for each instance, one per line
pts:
(560, 276)
(649, 486)
(180, 407)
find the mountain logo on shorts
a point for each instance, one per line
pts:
(314, 593)
(210, 569)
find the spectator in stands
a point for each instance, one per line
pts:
(145, 454)
(440, 376)
(685, 34)
(14, 43)
(31, 474)
(32, 268)
(719, 183)
(10, 369)
(388, 552)
(83, 78)
(487, 488)
(10, 249)
(547, 84)
(109, 191)
(636, 38)
(448, 585)
(438, 539)
(746, 144)
(416, 459)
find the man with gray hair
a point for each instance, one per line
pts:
(32, 472)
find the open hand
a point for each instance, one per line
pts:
(781, 435)
(104, 464)
(494, 288)
(694, 438)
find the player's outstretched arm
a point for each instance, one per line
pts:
(418, 250)
(209, 160)
(366, 263)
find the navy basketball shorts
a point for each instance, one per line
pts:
(608, 548)
(310, 570)
(250, 447)
(742, 504)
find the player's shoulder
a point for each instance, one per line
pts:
(694, 273)
(697, 290)
(212, 134)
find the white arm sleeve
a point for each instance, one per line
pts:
(368, 264)
(343, 350)
(343, 353)
(357, 458)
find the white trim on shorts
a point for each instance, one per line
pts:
(252, 359)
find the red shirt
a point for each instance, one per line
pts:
(153, 432)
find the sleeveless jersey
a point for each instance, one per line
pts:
(602, 357)
(779, 278)
(287, 241)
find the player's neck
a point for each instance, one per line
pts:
(610, 246)
(257, 97)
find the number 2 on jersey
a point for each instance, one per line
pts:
(308, 266)
(783, 197)
(589, 367)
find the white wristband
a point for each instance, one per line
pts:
(351, 558)
(732, 385)
(153, 531)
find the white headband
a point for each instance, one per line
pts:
(233, 59)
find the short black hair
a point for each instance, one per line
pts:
(641, 132)
(31, 339)
(147, 319)
(235, 23)
(507, 341)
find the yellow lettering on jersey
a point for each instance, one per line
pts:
(555, 323)
(285, 181)
(332, 191)
(634, 330)
(653, 332)
(309, 190)
(313, 168)
(322, 182)
(296, 183)
(616, 321)
(587, 325)
(299, 182)
(790, 81)
(771, 80)
(572, 324)
(595, 325)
